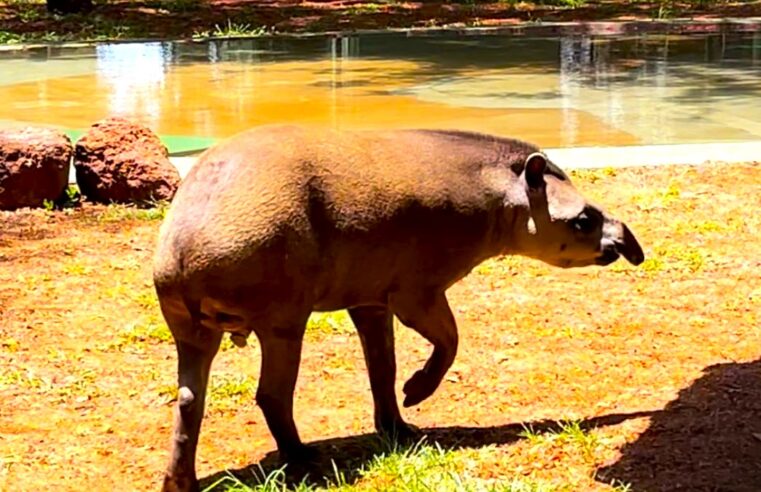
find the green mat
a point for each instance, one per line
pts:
(176, 144)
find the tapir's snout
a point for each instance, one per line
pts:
(627, 246)
(618, 241)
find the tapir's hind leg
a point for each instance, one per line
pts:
(281, 356)
(376, 331)
(430, 316)
(195, 354)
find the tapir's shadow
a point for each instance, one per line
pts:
(346, 456)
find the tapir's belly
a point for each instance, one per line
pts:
(366, 276)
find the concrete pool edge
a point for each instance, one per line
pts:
(676, 26)
(656, 155)
(611, 157)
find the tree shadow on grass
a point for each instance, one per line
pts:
(709, 438)
(347, 456)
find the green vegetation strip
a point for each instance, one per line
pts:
(176, 144)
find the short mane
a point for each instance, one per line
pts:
(515, 150)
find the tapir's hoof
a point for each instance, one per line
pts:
(301, 454)
(401, 433)
(180, 484)
(419, 387)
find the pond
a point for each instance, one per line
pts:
(556, 92)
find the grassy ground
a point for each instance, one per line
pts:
(621, 378)
(28, 20)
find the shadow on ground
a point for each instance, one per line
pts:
(351, 454)
(709, 438)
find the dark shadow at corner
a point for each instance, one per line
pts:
(708, 439)
(348, 455)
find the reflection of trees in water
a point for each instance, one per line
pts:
(134, 73)
(634, 83)
(598, 62)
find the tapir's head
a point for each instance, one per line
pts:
(562, 228)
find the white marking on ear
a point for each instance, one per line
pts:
(536, 154)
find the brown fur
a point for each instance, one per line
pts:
(280, 221)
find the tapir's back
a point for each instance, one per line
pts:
(301, 188)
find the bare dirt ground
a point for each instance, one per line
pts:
(662, 363)
(184, 18)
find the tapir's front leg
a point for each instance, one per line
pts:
(194, 363)
(429, 315)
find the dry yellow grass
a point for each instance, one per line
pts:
(660, 365)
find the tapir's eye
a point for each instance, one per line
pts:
(584, 223)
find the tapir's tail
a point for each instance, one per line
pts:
(189, 316)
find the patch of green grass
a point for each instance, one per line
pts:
(330, 323)
(233, 30)
(590, 176)
(72, 197)
(137, 334)
(708, 226)
(29, 12)
(97, 28)
(91, 28)
(365, 8)
(652, 265)
(584, 440)
(562, 3)
(620, 487)
(667, 257)
(34, 281)
(665, 10)
(503, 265)
(227, 392)
(569, 433)
(272, 482)
(118, 213)
(7, 37)
(147, 299)
(167, 393)
(654, 199)
(682, 257)
(419, 468)
(14, 378)
(9, 344)
(175, 6)
(76, 268)
(81, 386)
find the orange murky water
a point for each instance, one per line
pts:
(559, 92)
(217, 100)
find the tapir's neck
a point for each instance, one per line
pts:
(510, 216)
(506, 225)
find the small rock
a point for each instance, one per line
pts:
(34, 166)
(123, 162)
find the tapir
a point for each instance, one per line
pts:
(281, 221)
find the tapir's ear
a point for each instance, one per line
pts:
(534, 170)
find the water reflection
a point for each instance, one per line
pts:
(576, 90)
(131, 74)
